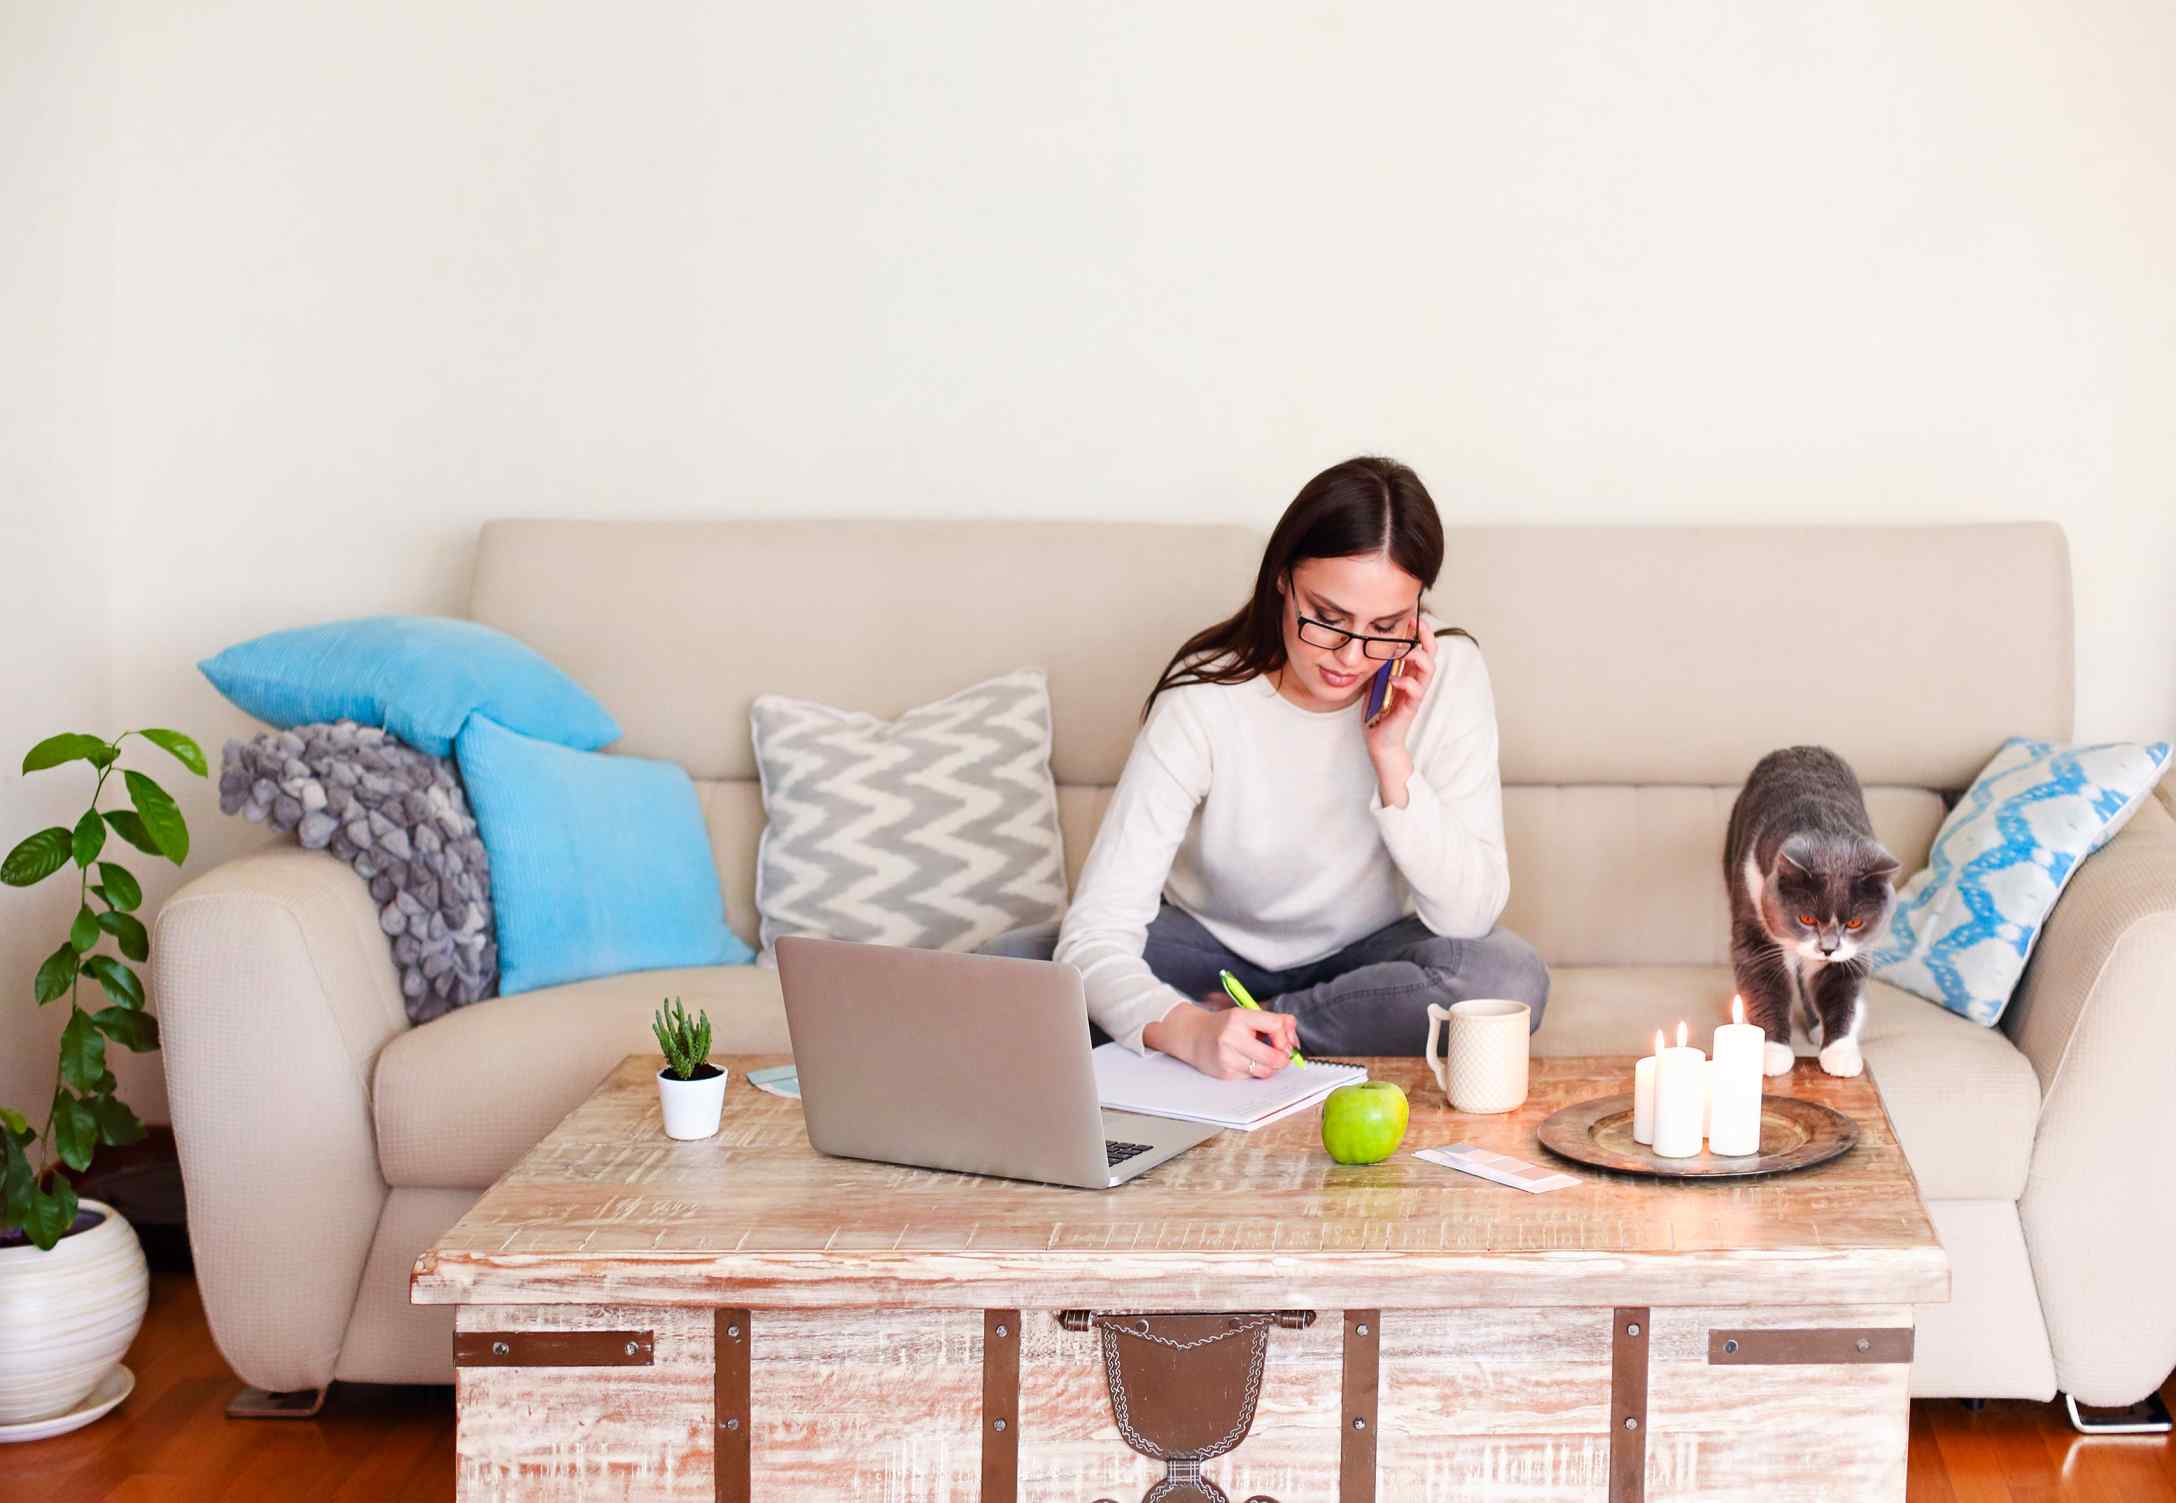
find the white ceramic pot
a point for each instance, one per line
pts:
(692, 1107)
(68, 1315)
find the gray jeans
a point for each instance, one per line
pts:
(1369, 998)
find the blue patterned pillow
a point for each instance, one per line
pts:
(1964, 926)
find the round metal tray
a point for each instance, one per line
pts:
(1794, 1134)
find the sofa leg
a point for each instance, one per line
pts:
(257, 1403)
(1973, 1406)
(2149, 1416)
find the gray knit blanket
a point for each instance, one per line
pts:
(398, 817)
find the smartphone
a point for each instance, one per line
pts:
(1379, 689)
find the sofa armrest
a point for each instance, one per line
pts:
(2096, 1014)
(275, 991)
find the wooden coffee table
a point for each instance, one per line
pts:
(743, 1317)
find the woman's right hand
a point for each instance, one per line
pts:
(1229, 1045)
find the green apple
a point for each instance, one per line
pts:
(1364, 1123)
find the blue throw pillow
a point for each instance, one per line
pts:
(599, 864)
(1964, 926)
(419, 677)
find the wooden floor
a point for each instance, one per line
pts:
(171, 1442)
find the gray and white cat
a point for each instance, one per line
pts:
(1810, 890)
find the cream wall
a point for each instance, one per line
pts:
(57, 539)
(329, 285)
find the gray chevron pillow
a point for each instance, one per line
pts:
(937, 830)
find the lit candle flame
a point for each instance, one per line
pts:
(1680, 1033)
(1737, 1009)
(1658, 1041)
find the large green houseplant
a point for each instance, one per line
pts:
(105, 997)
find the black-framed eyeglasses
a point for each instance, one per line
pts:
(1333, 639)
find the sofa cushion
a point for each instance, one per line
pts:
(398, 818)
(419, 677)
(1602, 641)
(1966, 922)
(1965, 1101)
(910, 611)
(936, 830)
(600, 864)
(1632, 875)
(459, 1100)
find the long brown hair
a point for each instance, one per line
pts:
(1366, 505)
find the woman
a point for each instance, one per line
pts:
(1348, 875)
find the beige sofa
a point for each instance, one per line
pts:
(1639, 674)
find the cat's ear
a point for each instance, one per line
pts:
(1798, 851)
(1876, 862)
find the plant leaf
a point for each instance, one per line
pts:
(52, 1212)
(16, 1123)
(56, 974)
(117, 1125)
(15, 1181)
(82, 1053)
(137, 1032)
(128, 933)
(70, 746)
(130, 827)
(37, 857)
(90, 837)
(161, 816)
(75, 1130)
(83, 933)
(121, 889)
(118, 980)
(185, 751)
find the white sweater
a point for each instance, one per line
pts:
(1265, 822)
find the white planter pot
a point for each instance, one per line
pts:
(692, 1107)
(68, 1315)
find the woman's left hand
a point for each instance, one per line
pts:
(1387, 735)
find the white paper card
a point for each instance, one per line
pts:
(779, 1080)
(1501, 1168)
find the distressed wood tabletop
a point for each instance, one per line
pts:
(607, 1209)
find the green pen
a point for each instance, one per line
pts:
(1238, 994)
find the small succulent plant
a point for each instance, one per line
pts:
(686, 1044)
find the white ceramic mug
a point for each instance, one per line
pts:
(1485, 1070)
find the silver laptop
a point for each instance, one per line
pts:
(974, 1063)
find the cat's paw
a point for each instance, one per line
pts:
(1777, 1060)
(1842, 1058)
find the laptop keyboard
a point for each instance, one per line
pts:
(1118, 1152)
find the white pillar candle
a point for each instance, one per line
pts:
(1643, 1095)
(1707, 1099)
(1679, 1100)
(1735, 1085)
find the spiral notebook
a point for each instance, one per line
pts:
(1156, 1085)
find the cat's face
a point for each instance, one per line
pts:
(1829, 900)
